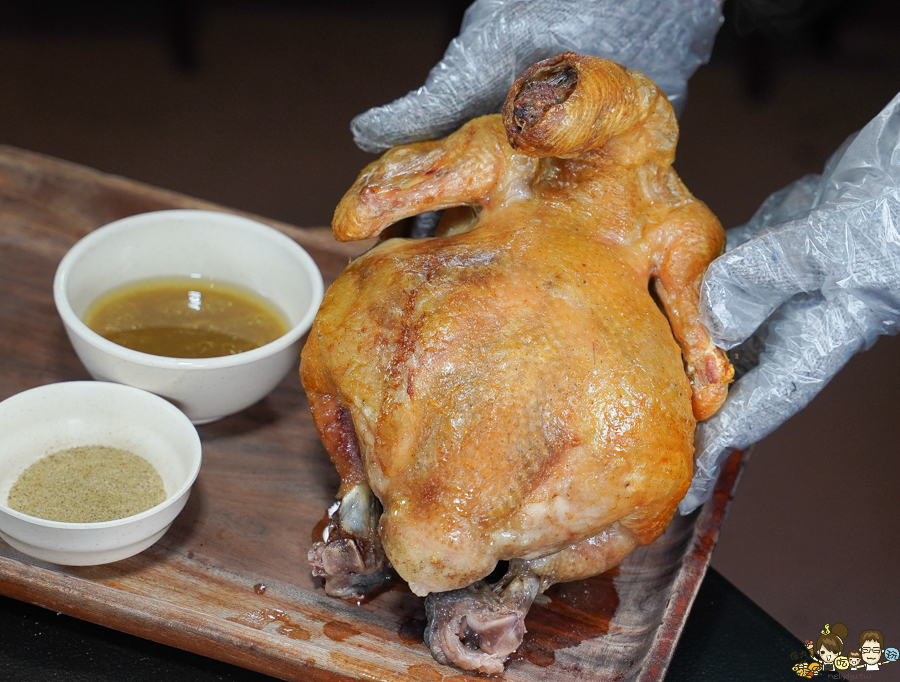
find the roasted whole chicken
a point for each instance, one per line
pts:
(510, 389)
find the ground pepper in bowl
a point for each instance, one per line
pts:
(87, 484)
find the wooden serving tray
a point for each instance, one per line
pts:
(230, 579)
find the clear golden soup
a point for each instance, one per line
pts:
(183, 317)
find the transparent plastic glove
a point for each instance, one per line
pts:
(812, 279)
(665, 39)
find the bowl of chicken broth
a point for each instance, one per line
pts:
(206, 309)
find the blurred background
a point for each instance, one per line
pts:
(248, 104)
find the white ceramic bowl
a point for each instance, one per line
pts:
(190, 243)
(55, 417)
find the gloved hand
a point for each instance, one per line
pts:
(665, 39)
(818, 267)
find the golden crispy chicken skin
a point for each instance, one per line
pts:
(509, 389)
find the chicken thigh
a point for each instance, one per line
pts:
(510, 389)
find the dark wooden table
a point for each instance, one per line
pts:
(727, 638)
(264, 486)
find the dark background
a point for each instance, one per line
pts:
(248, 104)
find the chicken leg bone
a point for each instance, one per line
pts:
(479, 626)
(350, 557)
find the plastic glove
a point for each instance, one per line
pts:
(818, 267)
(665, 39)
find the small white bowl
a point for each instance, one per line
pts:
(55, 417)
(199, 244)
